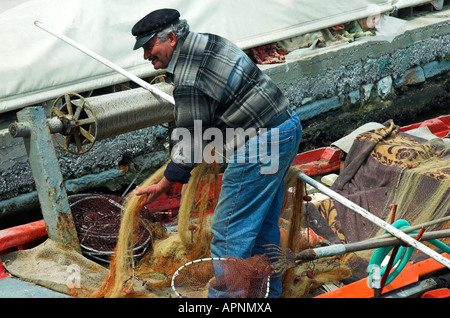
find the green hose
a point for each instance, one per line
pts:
(402, 257)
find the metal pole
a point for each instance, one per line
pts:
(414, 227)
(106, 62)
(374, 219)
(338, 249)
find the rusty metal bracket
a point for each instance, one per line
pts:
(47, 175)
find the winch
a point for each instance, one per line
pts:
(76, 123)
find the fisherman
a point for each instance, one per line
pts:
(217, 85)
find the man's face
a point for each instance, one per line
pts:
(159, 52)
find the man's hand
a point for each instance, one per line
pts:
(154, 191)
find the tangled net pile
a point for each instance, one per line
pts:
(97, 218)
(421, 192)
(169, 252)
(303, 280)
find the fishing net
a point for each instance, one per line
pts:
(198, 278)
(296, 227)
(421, 190)
(410, 178)
(395, 176)
(97, 222)
(384, 167)
(177, 251)
(169, 252)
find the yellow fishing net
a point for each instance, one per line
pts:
(422, 182)
(169, 251)
(395, 176)
(151, 275)
(418, 185)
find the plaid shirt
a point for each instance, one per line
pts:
(217, 83)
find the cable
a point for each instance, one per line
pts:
(402, 257)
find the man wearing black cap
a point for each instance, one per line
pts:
(217, 85)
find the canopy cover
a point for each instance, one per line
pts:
(35, 66)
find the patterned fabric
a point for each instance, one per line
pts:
(370, 168)
(403, 151)
(328, 212)
(217, 83)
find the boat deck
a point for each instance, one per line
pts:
(11, 287)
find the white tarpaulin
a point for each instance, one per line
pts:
(35, 66)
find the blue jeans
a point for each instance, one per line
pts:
(248, 210)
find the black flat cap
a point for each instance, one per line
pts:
(153, 23)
